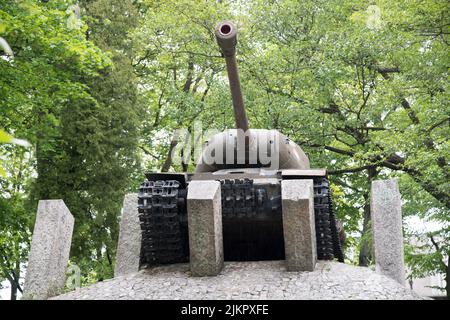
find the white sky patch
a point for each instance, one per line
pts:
(5, 293)
(21, 142)
(6, 48)
(416, 224)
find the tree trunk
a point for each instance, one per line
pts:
(101, 275)
(168, 163)
(447, 279)
(365, 253)
(13, 290)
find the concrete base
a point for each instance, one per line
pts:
(129, 246)
(50, 249)
(299, 225)
(205, 228)
(257, 280)
(387, 233)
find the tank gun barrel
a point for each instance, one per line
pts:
(226, 35)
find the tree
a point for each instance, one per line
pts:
(14, 220)
(46, 46)
(427, 247)
(178, 63)
(94, 161)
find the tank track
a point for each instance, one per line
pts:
(242, 199)
(163, 221)
(328, 243)
(163, 218)
(335, 232)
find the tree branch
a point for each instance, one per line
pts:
(388, 70)
(147, 152)
(350, 170)
(434, 126)
(340, 151)
(438, 249)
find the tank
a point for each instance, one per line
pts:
(250, 165)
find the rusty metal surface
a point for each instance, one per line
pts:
(226, 35)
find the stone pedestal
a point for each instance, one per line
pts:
(386, 214)
(50, 249)
(205, 228)
(299, 225)
(129, 245)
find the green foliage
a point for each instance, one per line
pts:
(92, 159)
(362, 87)
(51, 94)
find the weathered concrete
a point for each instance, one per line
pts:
(50, 249)
(129, 245)
(205, 227)
(299, 224)
(386, 214)
(249, 280)
(304, 173)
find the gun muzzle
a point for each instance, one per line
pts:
(226, 33)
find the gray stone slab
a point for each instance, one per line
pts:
(205, 228)
(256, 280)
(298, 224)
(386, 214)
(129, 245)
(50, 249)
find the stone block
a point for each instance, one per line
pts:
(205, 228)
(299, 225)
(50, 249)
(129, 245)
(387, 233)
